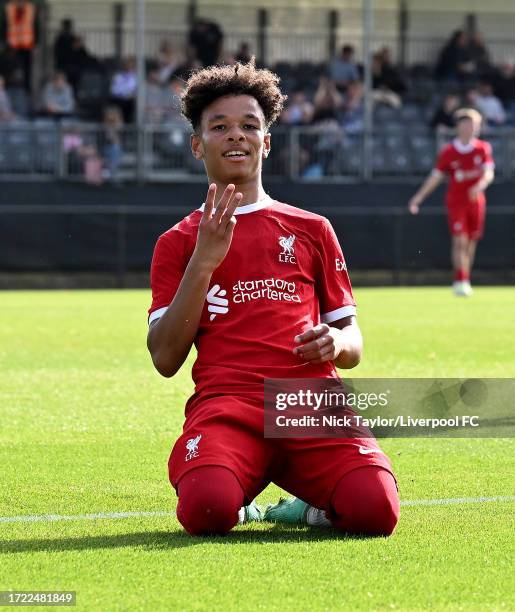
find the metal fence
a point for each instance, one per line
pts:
(281, 46)
(84, 152)
(290, 32)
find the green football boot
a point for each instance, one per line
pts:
(292, 511)
(250, 514)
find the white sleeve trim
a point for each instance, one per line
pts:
(489, 165)
(339, 313)
(157, 314)
(436, 172)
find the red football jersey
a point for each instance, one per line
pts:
(465, 164)
(283, 274)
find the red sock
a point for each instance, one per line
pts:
(209, 500)
(366, 501)
(460, 274)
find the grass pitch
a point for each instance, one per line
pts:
(87, 426)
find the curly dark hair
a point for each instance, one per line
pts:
(208, 84)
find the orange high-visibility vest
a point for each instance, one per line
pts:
(20, 25)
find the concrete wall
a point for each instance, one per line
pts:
(113, 231)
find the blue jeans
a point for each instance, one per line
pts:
(113, 157)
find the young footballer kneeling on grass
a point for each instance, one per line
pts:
(261, 289)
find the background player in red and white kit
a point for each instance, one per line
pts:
(469, 164)
(261, 289)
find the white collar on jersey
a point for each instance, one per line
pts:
(462, 148)
(248, 208)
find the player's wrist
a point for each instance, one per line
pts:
(201, 265)
(348, 358)
(348, 348)
(340, 344)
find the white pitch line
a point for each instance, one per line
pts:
(122, 515)
(457, 500)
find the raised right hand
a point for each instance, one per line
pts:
(216, 227)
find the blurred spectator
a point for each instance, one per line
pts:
(63, 45)
(174, 136)
(478, 53)
(6, 112)
(112, 143)
(243, 54)
(343, 69)
(389, 75)
(505, 82)
(444, 116)
(456, 62)
(81, 158)
(299, 110)
(154, 99)
(81, 60)
(206, 40)
(11, 67)
(19, 98)
(168, 62)
(353, 108)
(172, 102)
(487, 104)
(123, 89)
(20, 32)
(57, 99)
(187, 66)
(328, 102)
(382, 80)
(227, 59)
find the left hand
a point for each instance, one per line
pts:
(474, 192)
(318, 344)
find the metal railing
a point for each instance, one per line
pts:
(281, 45)
(291, 32)
(72, 150)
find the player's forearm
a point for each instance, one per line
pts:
(429, 185)
(350, 347)
(171, 337)
(486, 179)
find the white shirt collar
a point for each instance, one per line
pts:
(461, 148)
(248, 208)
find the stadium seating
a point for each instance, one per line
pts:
(18, 152)
(398, 149)
(403, 143)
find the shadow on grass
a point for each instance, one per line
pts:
(161, 540)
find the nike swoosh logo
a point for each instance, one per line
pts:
(368, 451)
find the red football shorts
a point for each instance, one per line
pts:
(466, 217)
(227, 431)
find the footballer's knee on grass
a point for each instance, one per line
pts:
(209, 500)
(365, 501)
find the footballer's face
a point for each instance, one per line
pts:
(467, 129)
(232, 139)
